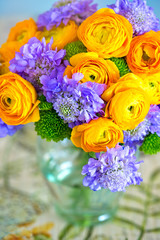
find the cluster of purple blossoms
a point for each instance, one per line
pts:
(8, 129)
(138, 14)
(153, 117)
(65, 10)
(151, 124)
(114, 170)
(36, 61)
(136, 136)
(74, 102)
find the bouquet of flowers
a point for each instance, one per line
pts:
(89, 75)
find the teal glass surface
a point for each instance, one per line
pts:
(61, 163)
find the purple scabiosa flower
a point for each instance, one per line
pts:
(136, 136)
(65, 10)
(76, 102)
(114, 170)
(8, 129)
(153, 117)
(138, 14)
(67, 108)
(38, 63)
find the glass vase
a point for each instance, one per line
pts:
(61, 163)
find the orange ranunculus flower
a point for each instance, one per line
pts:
(62, 35)
(7, 52)
(18, 36)
(4, 68)
(23, 31)
(128, 81)
(144, 54)
(96, 135)
(128, 108)
(106, 33)
(18, 100)
(94, 68)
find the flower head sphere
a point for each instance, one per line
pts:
(65, 10)
(153, 117)
(38, 63)
(114, 170)
(77, 102)
(139, 15)
(136, 136)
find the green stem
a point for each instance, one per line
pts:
(89, 233)
(65, 231)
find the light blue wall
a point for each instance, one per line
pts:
(32, 8)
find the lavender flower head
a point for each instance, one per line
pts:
(138, 14)
(153, 118)
(8, 129)
(114, 170)
(36, 61)
(75, 102)
(65, 10)
(136, 136)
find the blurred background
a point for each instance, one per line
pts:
(34, 7)
(12, 11)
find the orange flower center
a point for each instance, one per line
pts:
(7, 102)
(103, 34)
(21, 36)
(148, 55)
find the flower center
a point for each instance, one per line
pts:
(145, 56)
(151, 84)
(131, 109)
(92, 77)
(148, 55)
(65, 110)
(21, 36)
(7, 102)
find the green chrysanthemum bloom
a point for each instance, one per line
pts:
(44, 105)
(121, 65)
(151, 144)
(51, 126)
(74, 48)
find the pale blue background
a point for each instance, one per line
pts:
(31, 8)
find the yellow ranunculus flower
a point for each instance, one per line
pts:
(150, 84)
(128, 108)
(62, 35)
(128, 81)
(144, 54)
(96, 135)
(94, 68)
(152, 87)
(106, 33)
(18, 100)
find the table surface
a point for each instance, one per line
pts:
(138, 216)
